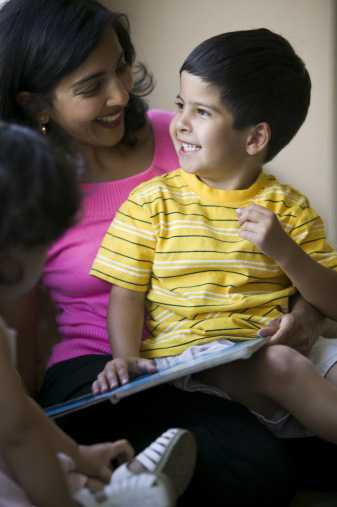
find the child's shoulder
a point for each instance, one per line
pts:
(275, 192)
(159, 185)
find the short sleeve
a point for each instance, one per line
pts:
(309, 233)
(126, 254)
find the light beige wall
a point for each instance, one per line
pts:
(164, 31)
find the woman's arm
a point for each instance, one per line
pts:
(298, 329)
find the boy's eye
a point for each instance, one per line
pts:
(203, 112)
(179, 105)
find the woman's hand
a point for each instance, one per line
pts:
(298, 329)
(119, 371)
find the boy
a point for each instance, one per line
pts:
(217, 247)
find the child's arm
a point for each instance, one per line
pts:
(93, 461)
(28, 453)
(317, 284)
(125, 326)
(125, 321)
(29, 442)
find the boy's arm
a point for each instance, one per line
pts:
(125, 321)
(24, 444)
(125, 326)
(317, 284)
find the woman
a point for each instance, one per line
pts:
(66, 68)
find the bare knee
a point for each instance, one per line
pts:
(278, 366)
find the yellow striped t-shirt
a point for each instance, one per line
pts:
(177, 239)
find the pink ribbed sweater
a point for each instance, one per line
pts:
(81, 300)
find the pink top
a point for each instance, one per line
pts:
(82, 300)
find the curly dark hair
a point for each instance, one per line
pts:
(42, 41)
(39, 189)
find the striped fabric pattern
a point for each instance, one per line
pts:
(177, 239)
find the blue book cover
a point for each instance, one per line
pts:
(239, 350)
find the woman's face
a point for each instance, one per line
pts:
(89, 104)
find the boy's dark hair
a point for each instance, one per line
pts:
(39, 191)
(42, 41)
(260, 78)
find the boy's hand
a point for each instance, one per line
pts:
(261, 226)
(119, 371)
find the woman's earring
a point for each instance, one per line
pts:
(43, 128)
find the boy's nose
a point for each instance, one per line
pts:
(183, 123)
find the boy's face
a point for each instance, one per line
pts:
(20, 270)
(203, 134)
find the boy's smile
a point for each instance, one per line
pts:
(204, 138)
(188, 148)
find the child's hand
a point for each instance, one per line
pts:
(261, 226)
(95, 464)
(99, 461)
(119, 371)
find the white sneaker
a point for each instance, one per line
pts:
(173, 455)
(138, 490)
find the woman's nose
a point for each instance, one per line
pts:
(118, 93)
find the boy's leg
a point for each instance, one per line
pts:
(278, 376)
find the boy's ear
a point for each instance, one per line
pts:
(258, 138)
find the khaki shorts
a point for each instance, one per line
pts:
(323, 355)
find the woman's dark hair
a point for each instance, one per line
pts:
(42, 41)
(260, 78)
(39, 189)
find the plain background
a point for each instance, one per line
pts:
(165, 31)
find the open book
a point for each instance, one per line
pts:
(239, 350)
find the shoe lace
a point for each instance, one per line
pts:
(151, 456)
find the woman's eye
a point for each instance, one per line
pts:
(90, 89)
